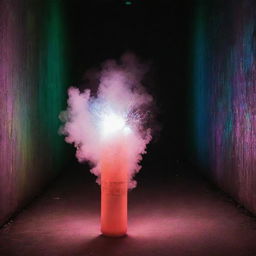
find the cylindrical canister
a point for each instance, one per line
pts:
(114, 180)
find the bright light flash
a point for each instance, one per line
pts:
(113, 123)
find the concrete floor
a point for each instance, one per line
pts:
(179, 216)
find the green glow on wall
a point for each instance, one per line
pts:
(52, 80)
(33, 80)
(200, 72)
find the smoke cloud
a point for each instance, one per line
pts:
(120, 103)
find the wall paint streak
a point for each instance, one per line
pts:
(225, 96)
(33, 83)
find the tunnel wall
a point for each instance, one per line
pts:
(33, 79)
(224, 96)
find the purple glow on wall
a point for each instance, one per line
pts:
(8, 60)
(225, 87)
(32, 78)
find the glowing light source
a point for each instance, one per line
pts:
(106, 130)
(128, 2)
(112, 123)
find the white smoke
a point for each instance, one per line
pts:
(121, 103)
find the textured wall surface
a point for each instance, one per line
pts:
(225, 95)
(32, 93)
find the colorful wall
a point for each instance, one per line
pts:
(224, 95)
(33, 80)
